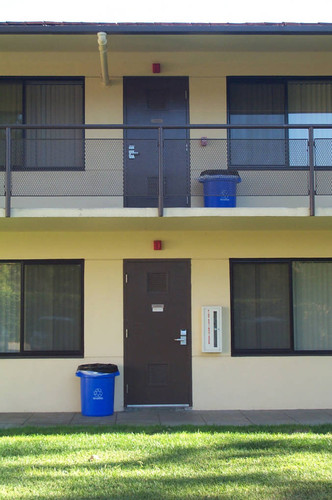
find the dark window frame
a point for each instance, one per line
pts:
(273, 352)
(24, 80)
(79, 353)
(271, 79)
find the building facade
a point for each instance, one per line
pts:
(166, 206)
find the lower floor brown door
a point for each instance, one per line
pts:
(157, 336)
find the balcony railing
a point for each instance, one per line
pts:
(160, 166)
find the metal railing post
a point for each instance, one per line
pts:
(311, 172)
(160, 172)
(8, 187)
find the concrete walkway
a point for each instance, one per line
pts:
(171, 417)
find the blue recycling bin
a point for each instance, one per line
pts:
(219, 187)
(97, 389)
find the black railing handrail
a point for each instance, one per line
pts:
(196, 126)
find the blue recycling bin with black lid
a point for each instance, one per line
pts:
(97, 389)
(219, 187)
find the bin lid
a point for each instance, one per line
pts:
(98, 368)
(220, 172)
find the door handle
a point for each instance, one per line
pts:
(183, 337)
(131, 152)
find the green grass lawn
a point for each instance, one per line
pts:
(285, 462)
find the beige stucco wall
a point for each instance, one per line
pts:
(219, 380)
(196, 64)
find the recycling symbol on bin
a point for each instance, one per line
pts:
(98, 393)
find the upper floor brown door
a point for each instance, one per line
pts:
(157, 337)
(156, 101)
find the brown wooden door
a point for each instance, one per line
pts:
(155, 101)
(157, 302)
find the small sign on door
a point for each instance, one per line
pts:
(157, 308)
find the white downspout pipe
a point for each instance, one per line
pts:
(102, 42)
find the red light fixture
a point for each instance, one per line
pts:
(155, 67)
(157, 245)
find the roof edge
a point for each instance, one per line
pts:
(76, 28)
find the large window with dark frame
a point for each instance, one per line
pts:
(47, 102)
(41, 308)
(281, 306)
(273, 101)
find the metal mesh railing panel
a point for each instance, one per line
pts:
(274, 183)
(97, 163)
(258, 181)
(2, 183)
(323, 182)
(86, 183)
(323, 153)
(97, 172)
(257, 152)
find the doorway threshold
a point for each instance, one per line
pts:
(183, 406)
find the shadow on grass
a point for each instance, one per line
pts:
(242, 446)
(240, 485)
(201, 462)
(227, 443)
